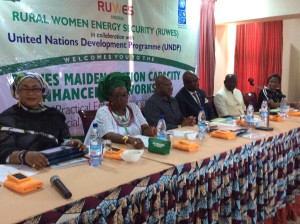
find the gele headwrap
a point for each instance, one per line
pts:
(111, 81)
(24, 75)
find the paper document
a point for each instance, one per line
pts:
(253, 135)
(145, 139)
(223, 124)
(182, 133)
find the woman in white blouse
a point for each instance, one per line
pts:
(119, 121)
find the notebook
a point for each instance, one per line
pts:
(62, 153)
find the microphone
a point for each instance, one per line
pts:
(63, 190)
(251, 81)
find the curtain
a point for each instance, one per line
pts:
(207, 61)
(258, 53)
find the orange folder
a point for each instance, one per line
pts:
(110, 154)
(276, 118)
(241, 123)
(21, 183)
(223, 134)
(186, 145)
(293, 113)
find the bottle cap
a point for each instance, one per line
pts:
(95, 125)
(161, 117)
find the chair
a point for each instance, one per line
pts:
(87, 116)
(211, 103)
(251, 97)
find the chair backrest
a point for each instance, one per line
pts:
(212, 104)
(87, 116)
(251, 97)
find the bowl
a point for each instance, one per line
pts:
(132, 156)
(190, 135)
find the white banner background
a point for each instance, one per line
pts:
(165, 35)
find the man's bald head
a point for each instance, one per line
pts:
(190, 81)
(164, 86)
(230, 82)
(160, 79)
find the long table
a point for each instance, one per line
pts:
(230, 181)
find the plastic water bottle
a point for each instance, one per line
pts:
(95, 147)
(264, 111)
(201, 124)
(283, 107)
(250, 116)
(161, 128)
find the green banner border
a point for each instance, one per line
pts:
(88, 58)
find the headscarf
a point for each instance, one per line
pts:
(24, 75)
(111, 81)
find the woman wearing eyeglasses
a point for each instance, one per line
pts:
(29, 126)
(119, 121)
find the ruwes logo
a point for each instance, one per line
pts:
(104, 6)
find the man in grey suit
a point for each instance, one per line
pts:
(163, 103)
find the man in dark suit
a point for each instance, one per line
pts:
(190, 98)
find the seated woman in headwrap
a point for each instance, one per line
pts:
(119, 121)
(29, 127)
(272, 94)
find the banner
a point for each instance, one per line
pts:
(75, 43)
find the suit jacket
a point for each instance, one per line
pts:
(189, 107)
(229, 103)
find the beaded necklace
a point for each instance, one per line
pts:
(34, 110)
(123, 121)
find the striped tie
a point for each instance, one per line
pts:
(196, 98)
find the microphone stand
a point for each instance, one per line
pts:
(259, 87)
(263, 128)
(267, 128)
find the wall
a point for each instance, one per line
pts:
(225, 46)
(288, 10)
(291, 59)
(225, 40)
(232, 11)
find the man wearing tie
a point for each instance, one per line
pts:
(190, 98)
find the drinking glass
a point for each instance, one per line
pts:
(170, 136)
(105, 145)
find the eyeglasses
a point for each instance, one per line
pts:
(120, 97)
(34, 90)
